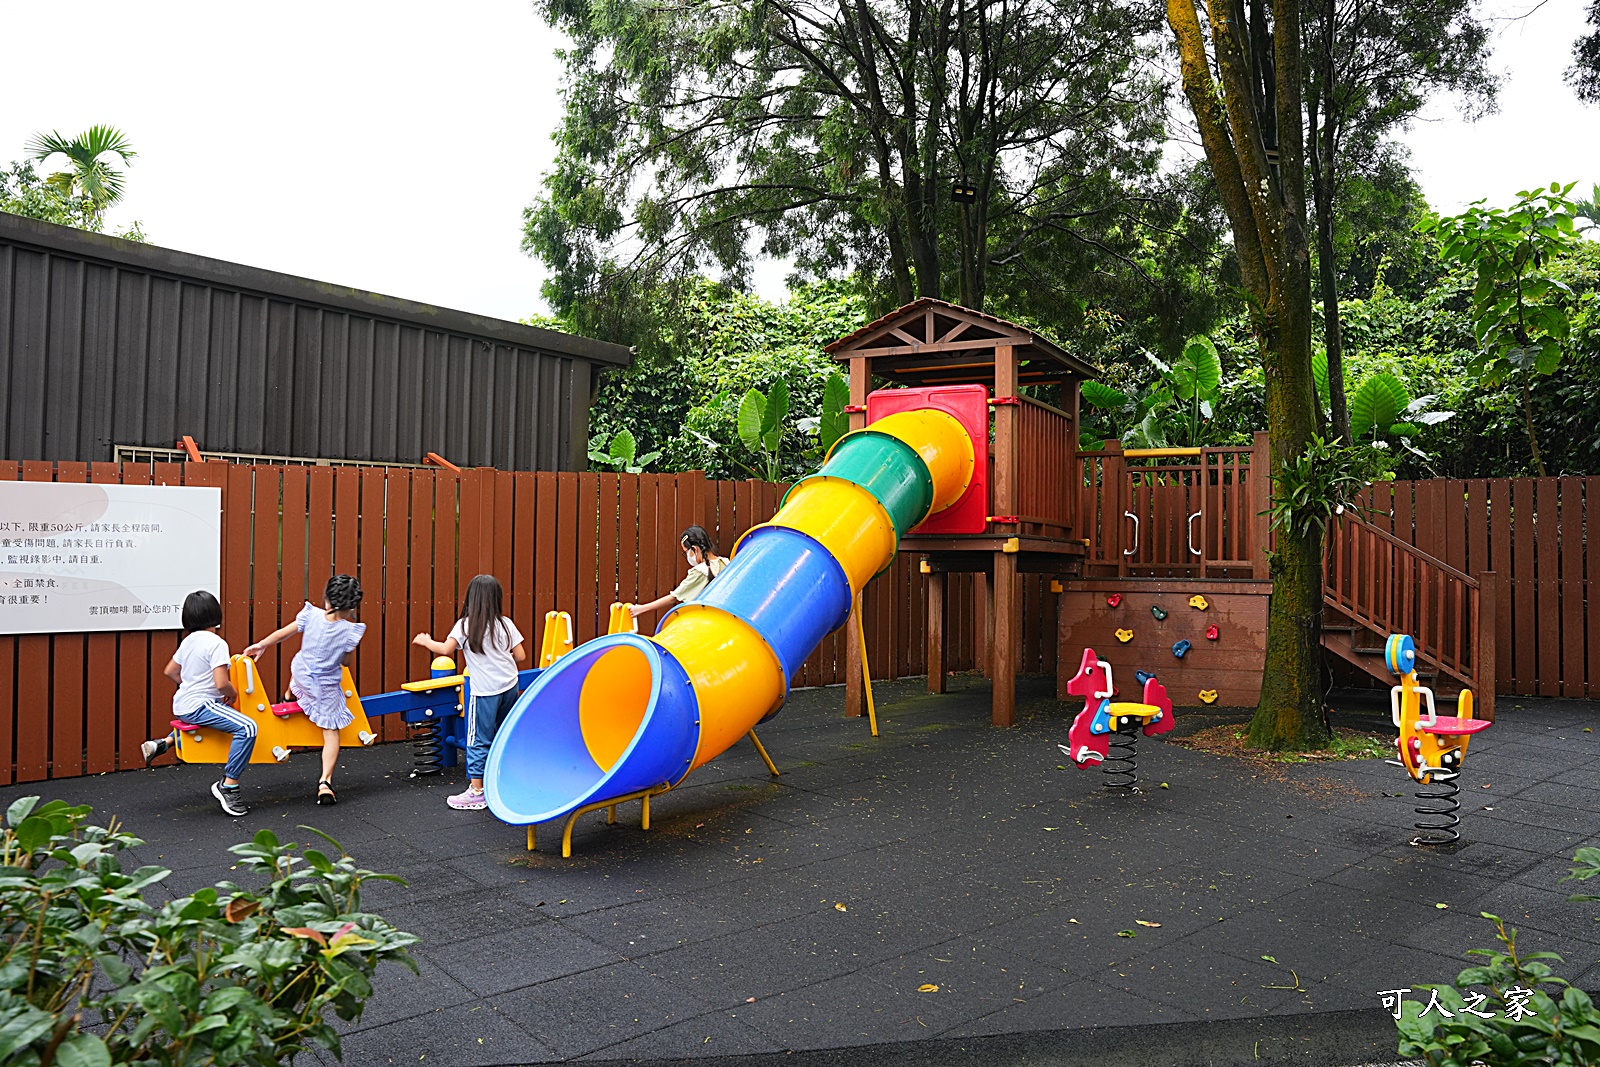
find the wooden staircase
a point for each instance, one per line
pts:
(1374, 584)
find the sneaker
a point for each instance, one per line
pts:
(228, 797)
(471, 800)
(151, 749)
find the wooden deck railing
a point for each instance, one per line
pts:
(1391, 587)
(1174, 513)
(1045, 498)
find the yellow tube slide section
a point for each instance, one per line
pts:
(737, 678)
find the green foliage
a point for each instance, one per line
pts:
(1517, 311)
(620, 453)
(24, 192)
(90, 175)
(1584, 74)
(92, 975)
(707, 348)
(761, 425)
(1519, 303)
(1321, 482)
(1535, 1016)
(1175, 409)
(695, 138)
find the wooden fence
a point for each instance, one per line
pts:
(73, 704)
(1533, 533)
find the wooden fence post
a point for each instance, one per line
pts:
(1483, 659)
(1260, 497)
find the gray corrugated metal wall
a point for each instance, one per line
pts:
(104, 342)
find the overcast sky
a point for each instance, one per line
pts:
(392, 146)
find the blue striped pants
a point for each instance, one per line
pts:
(220, 716)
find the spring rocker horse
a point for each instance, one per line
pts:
(1103, 724)
(1432, 746)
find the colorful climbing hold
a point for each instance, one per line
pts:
(1158, 611)
(1124, 636)
(1142, 676)
(1114, 599)
(1198, 601)
(1212, 633)
(1208, 696)
(1180, 648)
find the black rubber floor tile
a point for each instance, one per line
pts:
(843, 1011)
(868, 930)
(1359, 982)
(468, 913)
(1454, 936)
(1194, 977)
(1495, 827)
(717, 1033)
(1086, 1002)
(1572, 797)
(1560, 817)
(462, 1035)
(1414, 876)
(645, 927)
(1544, 909)
(397, 994)
(510, 959)
(968, 972)
(728, 971)
(598, 1009)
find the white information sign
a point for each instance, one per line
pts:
(76, 557)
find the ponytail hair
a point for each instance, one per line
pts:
(343, 593)
(481, 609)
(697, 537)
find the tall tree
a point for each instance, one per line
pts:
(1251, 124)
(1370, 67)
(1584, 74)
(924, 144)
(92, 173)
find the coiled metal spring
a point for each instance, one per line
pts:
(1119, 766)
(427, 749)
(1445, 797)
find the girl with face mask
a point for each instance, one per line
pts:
(704, 565)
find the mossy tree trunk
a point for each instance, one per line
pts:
(1251, 125)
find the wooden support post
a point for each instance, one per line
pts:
(1485, 653)
(983, 593)
(1007, 638)
(1066, 665)
(1260, 497)
(1113, 489)
(855, 697)
(936, 668)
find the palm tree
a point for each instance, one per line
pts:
(92, 176)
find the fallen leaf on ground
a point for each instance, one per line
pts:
(1147, 922)
(1441, 905)
(1052, 827)
(1127, 933)
(1074, 922)
(839, 907)
(927, 987)
(1269, 959)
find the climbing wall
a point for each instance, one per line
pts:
(1135, 625)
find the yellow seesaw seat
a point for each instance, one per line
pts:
(279, 727)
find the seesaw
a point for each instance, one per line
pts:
(431, 706)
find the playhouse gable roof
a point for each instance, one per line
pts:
(930, 341)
